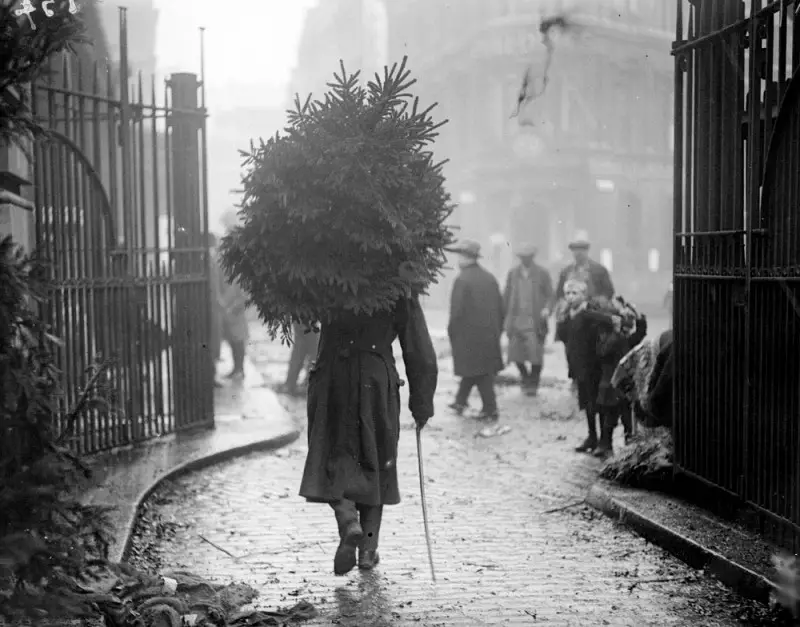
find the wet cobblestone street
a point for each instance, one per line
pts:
(513, 545)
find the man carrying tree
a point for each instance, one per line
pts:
(350, 249)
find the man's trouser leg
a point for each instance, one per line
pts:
(296, 360)
(585, 400)
(237, 348)
(488, 398)
(536, 375)
(627, 419)
(371, 517)
(609, 417)
(464, 388)
(350, 535)
(524, 375)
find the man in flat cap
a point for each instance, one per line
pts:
(475, 327)
(527, 299)
(586, 270)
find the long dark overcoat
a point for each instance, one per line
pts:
(354, 404)
(476, 323)
(596, 276)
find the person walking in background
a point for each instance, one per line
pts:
(215, 282)
(474, 329)
(234, 325)
(527, 296)
(584, 269)
(304, 350)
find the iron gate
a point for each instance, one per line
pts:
(737, 254)
(120, 194)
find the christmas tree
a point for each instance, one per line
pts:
(345, 211)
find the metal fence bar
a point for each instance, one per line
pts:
(737, 255)
(124, 287)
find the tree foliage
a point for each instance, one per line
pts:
(24, 54)
(49, 540)
(344, 211)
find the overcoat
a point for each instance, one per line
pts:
(476, 323)
(524, 326)
(594, 274)
(354, 403)
(579, 334)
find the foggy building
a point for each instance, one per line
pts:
(230, 131)
(354, 31)
(593, 152)
(142, 18)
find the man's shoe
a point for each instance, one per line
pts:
(603, 452)
(345, 559)
(288, 390)
(588, 445)
(367, 559)
(488, 416)
(457, 408)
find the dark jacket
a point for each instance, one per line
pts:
(354, 404)
(660, 392)
(579, 335)
(610, 349)
(600, 283)
(476, 323)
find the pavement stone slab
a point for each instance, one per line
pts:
(513, 542)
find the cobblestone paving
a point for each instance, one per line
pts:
(512, 543)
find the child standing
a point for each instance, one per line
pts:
(578, 333)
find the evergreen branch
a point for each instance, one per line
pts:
(81, 404)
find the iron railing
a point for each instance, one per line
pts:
(737, 248)
(121, 213)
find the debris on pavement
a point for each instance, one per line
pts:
(493, 431)
(302, 611)
(645, 463)
(126, 597)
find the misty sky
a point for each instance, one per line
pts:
(252, 45)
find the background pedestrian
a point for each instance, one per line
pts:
(527, 297)
(304, 349)
(474, 329)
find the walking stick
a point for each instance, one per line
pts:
(424, 503)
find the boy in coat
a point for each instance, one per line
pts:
(475, 327)
(578, 332)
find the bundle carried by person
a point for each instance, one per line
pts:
(343, 213)
(621, 315)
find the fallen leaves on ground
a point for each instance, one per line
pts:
(126, 597)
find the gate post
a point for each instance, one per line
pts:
(193, 388)
(16, 211)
